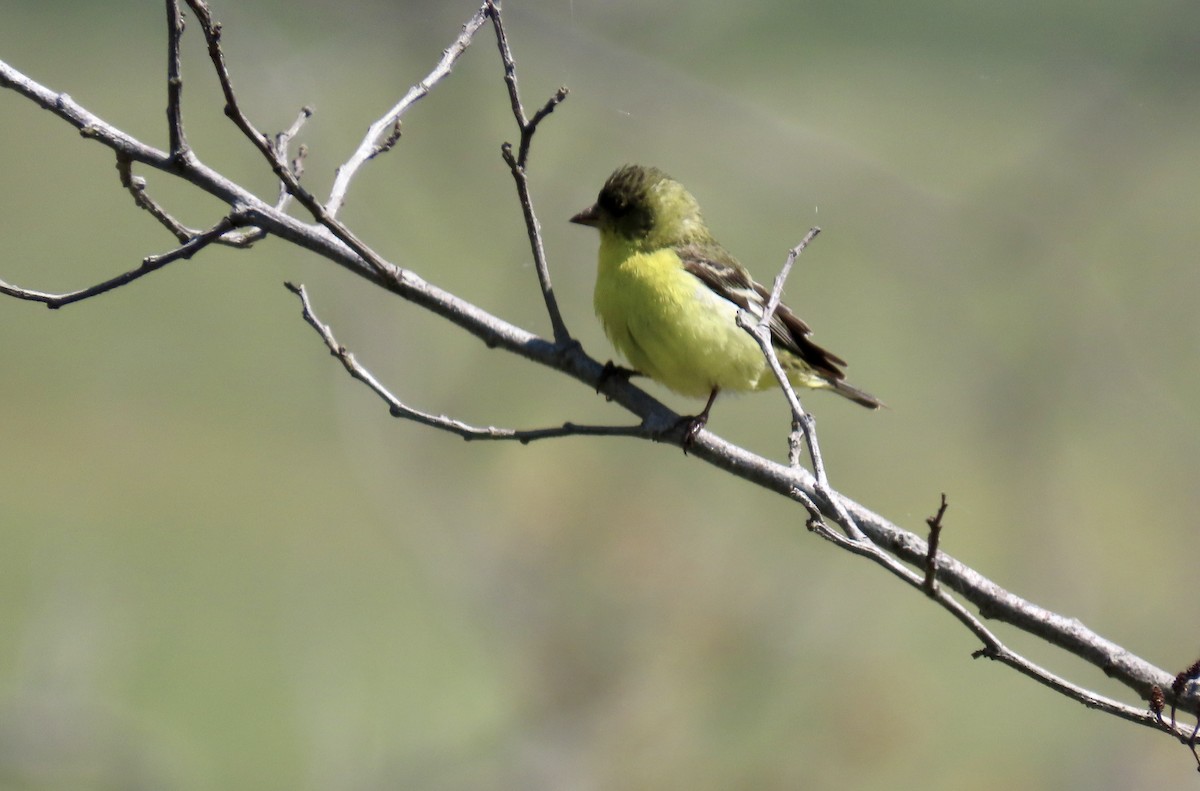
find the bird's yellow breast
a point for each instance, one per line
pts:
(672, 327)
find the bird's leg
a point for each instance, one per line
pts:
(693, 423)
(611, 369)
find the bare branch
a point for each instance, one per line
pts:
(370, 145)
(534, 229)
(993, 647)
(555, 100)
(89, 125)
(178, 141)
(527, 125)
(917, 562)
(935, 535)
(278, 164)
(149, 264)
(781, 278)
(285, 137)
(401, 410)
(282, 141)
(517, 165)
(136, 186)
(803, 423)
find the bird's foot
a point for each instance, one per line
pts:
(691, 426)
(611, 370)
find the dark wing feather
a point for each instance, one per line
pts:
(722, 273)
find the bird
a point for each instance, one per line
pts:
(668, 295)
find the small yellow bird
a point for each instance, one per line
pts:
(668, 295)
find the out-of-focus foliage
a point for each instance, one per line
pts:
(224, 566)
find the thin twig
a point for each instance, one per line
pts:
(534, 229)
(993, 647)
(282, 141)
(240, 238)
(760, 330)
(278, 164)
(388, 125)
(149, 264)
(248, 236)
(526, 124)
(285, 137)
(518, 164)
(401, 410)
(802, 421)
(175, 25)
(935, 535)
(136, 186)
(554, 101)
(777, 287)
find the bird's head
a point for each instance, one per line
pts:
(646, 208)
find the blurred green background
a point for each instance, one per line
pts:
(224, 565)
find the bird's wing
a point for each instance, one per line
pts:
(722, 273)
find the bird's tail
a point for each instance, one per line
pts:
(854, 394)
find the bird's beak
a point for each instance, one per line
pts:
(589, 216)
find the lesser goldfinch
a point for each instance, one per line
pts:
(668, 295)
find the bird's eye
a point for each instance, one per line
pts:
(615, 205)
